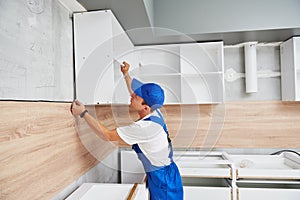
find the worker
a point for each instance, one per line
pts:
(148, 136)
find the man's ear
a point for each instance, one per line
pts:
(147, 108)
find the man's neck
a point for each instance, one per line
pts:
(143, 113)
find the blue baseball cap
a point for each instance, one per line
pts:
(152, 93)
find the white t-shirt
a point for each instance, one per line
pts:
(151, 138)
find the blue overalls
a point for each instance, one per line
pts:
(164, 182)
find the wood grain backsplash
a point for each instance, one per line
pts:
(41, 152)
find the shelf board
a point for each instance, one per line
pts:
(202, 74)
(159, 75)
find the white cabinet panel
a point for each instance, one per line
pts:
(205, 88)
(274, 191)
(121, 42)
(197, 165)
(93, 56)
(207, 193)
(120, 91)
(198, 58)
(159, 59)
(170, 85)
(99, 40)
(95, 191)
(132, 170)
(290, 67)
(283, 166)
(202, 73)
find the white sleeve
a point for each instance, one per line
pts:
(138, 132)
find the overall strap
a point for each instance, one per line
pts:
(145, 161)
(160, 120)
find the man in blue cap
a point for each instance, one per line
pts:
(148, 136)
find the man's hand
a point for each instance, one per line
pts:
(77, 108)
(125, 68)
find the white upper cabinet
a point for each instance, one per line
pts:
(201, 58)
(202, 72)
(290, 69)
(188, 73)
(159, 59)
(161, 64)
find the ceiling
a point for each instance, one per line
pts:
(178, 21)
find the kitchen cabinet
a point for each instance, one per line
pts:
(208, 189)
(267, 176)
(204, 176)
(283, 166)
(262, 189)
(133, 171)
(188, 73)
(218, 175)
(98, 36)
(197, 164)
(153, 63)
(290, 69)
(202, 72)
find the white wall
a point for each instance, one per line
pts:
(36, 58)
(219, 16)
(268, 72)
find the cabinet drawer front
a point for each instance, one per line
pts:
(268, 193)
(207, 193)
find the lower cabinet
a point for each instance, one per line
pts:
(218, 175)
(210, 176)
(206, 188)
(289, 190)
(132, 170)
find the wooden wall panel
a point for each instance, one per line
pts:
(260, 124)
(264, 124)
(41, 153)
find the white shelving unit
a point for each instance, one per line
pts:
(201, 58)
(290, 69)
(159, 59)
(189, 73)
(202, 88)
(161, 64)
(202, 72)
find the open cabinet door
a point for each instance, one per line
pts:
(97, 36)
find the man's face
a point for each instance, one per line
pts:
(136, 102)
